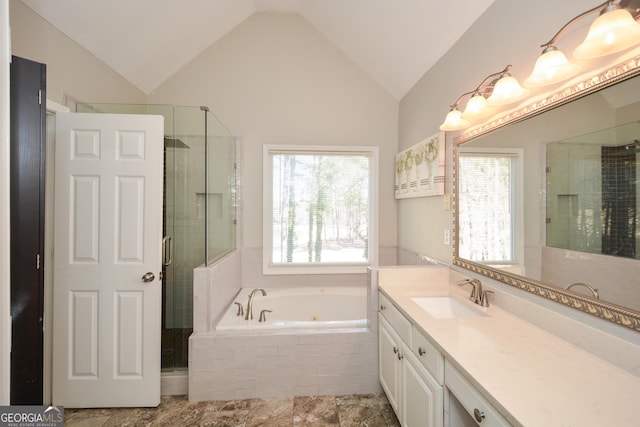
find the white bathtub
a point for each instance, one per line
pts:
(299, 308)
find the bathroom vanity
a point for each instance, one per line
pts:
(445, 361)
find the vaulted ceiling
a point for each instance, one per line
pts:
(146, 41)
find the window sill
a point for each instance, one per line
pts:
(281, 269)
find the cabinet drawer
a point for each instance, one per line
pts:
(384, 306)
(428, 355)
(400, 324)
(471, 399)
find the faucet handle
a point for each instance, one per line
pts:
(484, 301)
(474, 296)
(240, 311)
(263, 316)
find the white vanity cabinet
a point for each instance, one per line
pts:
(413, 392)
(422, 396)
(389, 345)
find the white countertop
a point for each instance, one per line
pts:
(531, 376)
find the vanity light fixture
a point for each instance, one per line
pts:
(477, 108)
(613, 31)
(490, 92)
(454, 120)
(507, 90)
(551, 67)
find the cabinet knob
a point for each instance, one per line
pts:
(400, 356)
(395, 349)
(421, 351)
(382, 307)
(478, 415)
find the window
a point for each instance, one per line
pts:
(490, 228)
(319, 209)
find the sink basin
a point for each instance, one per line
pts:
(446, 307)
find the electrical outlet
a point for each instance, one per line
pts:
(447, 236)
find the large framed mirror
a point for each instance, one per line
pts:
(548, 196)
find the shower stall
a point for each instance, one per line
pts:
(199, 210)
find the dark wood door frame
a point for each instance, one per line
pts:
(27, 157)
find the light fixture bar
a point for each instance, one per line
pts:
(614, 30)
(600, 7)
(509, 91)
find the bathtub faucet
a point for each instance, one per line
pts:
(249, 315)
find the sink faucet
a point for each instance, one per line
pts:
(593, 290)
(476, 292)
(249, 315)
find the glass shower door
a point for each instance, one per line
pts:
(184, 226)
(199, 208)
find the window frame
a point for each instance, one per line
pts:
(517, 201)
(271, 268)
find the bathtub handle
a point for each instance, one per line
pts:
(240, 311)
(263, 316)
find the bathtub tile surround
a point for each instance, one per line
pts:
(213, 289)
(296, 363)
(235, 364)
(371, 410)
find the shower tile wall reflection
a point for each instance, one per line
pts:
(592, 213)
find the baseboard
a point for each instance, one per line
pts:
(174, 383)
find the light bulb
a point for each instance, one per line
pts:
(611, 32)
(477, 108)
(506, 91)
(454, 121)
(551, 67)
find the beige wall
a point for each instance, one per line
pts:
(71, 69)
(509, 32)
(276, 80)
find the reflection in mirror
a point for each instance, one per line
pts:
(489, 227)
(592, 192)
(573, 215)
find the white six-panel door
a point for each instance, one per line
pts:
(108, 231)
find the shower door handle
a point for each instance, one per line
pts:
(166, 250)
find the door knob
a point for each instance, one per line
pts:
(148, 277)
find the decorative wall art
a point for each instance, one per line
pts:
(420, 168)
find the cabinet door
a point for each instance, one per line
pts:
(422, 396)
(389, 363)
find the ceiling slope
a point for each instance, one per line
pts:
(147, 41)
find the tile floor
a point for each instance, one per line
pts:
(370, 410)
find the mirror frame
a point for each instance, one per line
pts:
(611, 312)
